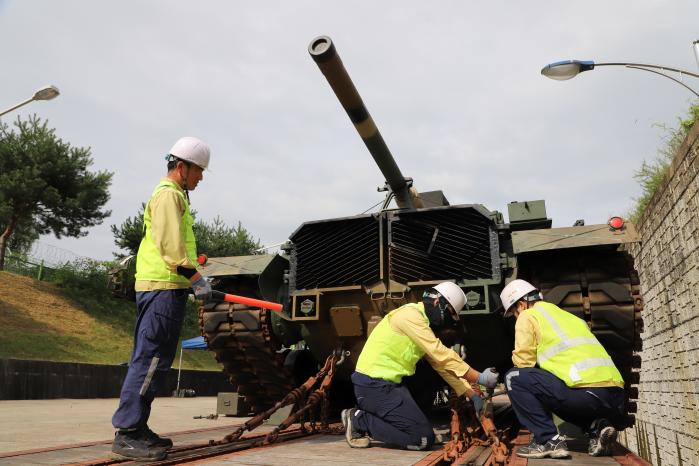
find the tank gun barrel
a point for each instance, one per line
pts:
(323, 52)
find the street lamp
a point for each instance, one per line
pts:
(564, 70)
(45, 93)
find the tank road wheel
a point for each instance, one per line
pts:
(601, 287)
(243, 343)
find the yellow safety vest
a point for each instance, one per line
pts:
(569, 350)
(150, 265)
(388, 355)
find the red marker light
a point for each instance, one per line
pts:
(201, 259)
(616, 223)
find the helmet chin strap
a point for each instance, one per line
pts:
(184, 182)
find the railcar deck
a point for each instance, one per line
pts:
(53, 432)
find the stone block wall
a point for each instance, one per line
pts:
(667, 422)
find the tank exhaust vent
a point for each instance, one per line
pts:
(457, 242)
(338, 252)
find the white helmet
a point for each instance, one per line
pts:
(453, 294)
(192, 150)
(514, 291)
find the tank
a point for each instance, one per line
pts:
(337, 278)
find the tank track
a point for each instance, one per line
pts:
(242, 341)
(602, 288)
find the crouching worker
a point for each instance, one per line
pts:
(385, 409)
(575, 378)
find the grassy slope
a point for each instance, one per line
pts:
(39, 320)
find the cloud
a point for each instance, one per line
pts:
(454, 87)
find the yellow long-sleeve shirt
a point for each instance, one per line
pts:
(167, 229)
(527, 338)
(445, 361)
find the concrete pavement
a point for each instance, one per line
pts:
(31, 424)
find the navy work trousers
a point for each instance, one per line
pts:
(160, 316)
(536, 394)
(389, 414)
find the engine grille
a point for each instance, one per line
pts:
(340, 252)
(443, 243)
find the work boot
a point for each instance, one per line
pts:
(156, 440)
(354, 439)
(602, 438)
(554, 448)
(132, 445)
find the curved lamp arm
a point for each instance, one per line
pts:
(564, 70)
(667, 76)
(656, 67)
(45, 93)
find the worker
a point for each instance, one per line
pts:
(385, 409)
(166, 267)
(559, 368)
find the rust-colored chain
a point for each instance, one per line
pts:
(292, 397)
(464, 428)
(469, 430)
(455, 446)
(314, 400)
(500, 451)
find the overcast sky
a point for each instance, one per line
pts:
(454, 86)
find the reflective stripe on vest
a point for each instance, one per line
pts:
(562, 346)
(575, 369)
(569, 350)
(388, 355)
(150, 265)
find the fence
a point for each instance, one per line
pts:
(41, 261)
(24, 266)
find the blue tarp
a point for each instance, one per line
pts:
(194, 343)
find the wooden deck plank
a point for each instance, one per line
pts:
(327, 450)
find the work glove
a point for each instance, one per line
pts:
(201, 287)
(488, 378)
(477, 403)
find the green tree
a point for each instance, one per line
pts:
(45, 184)
(127, 236)
(215, 239)
(23, 236)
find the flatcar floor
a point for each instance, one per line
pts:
(315, 450)
(53, 432)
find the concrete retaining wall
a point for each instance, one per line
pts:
(32, 380)
(667, 425)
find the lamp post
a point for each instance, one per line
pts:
(564, 70)
(45, 93)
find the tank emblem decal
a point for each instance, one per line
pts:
(307, 306)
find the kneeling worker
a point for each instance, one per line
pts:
(386, 411)
(575, 378)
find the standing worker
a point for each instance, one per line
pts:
(386, 411)
(575, 378)
(165, 270)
